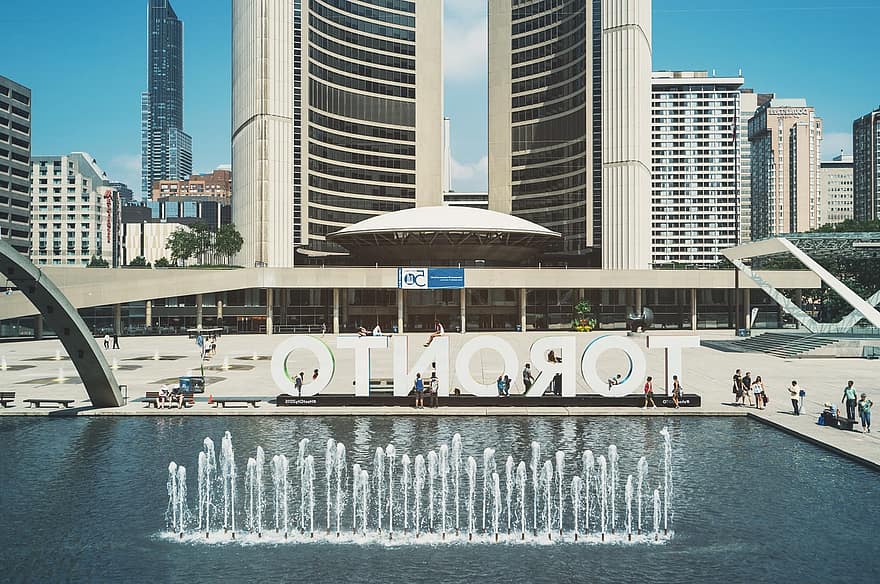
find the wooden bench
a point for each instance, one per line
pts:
(222, 401)
(37, 402)
(151, 398)
(7, 397)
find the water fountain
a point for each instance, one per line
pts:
(156, 355)
(255, 357)
(61, 377)
(423, 495)
(58, 354)
(3, 365)
(115, 365)
(225, 365)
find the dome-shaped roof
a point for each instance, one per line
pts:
(446, 219)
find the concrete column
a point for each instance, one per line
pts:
(399, 310)
(148, 314)
(270, 301)
(336, 310)
(747, 308)
(693, 309)
(463, 309)
(38, 327)
(117, 318)
(199, 310)
(219, 309)
(637, 301)
(522, 308)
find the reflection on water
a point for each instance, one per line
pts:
(93, 492)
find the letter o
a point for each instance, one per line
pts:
(467, 352)
(326, 364)
(631, 381)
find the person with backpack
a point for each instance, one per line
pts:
(419, 387)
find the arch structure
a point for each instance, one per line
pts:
(59, 313)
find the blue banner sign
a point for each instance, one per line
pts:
(430, 278)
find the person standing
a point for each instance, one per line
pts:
(115, 340)
(676, 391)
(528, 379)
(649, 393)
(419, 386)
(506, 386)
(435, 389)
(298, 383)
(758, 390)
(499, 384)
(850, 398)
(738, 386)
(793, 390)
(106, 341)
(747, 387)
(865, 412)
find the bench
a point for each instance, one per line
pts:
(37, 402)
(218, 401)
(151, 398)
(7, 397)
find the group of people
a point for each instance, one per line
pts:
(860, 404)
(432, 388)
(299, 380)
(115, 341)
(744, 386)
(169, 396)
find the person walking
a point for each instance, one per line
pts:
(850, 398)
(106, 341)
(528, 379)
(793, 390)
(115, 340)
(747, 387)
(676, 391)
(865, 412)
(738, 386)
(419, 386)
(759, 391)
(649, 393)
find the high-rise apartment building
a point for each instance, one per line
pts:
(74, 212)
(836, 186)
(866, 167)
(749, 102)
(15, 154)
(166, 150)
(326, 132)
(569, 120)
(786, 141)
(696, 146)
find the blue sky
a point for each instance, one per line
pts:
(87, 68)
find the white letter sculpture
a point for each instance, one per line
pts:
(362, 346)
(281, 376)
(404, 377)
(471, 348)
(673, 347)
(563, 347)
(631, 382)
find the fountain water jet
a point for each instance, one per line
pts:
(443, 468)
(379, 480)
(418, 487)
(432, 474)
(227, 471)
(390, 453)
(488, 469)
(589, 464)
(577, 485)
(301, 468)
(603, 494)
(667, 477)
(329, 467)
(406, 482)
(456, 473)
(642, 468)
(560, 480)
(341, 485)
(629, 511)
(547, 486)
(472, 483)
(521, 495)
(509, 473)
(535, 465)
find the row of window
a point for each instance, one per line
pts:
(360, 174)
(362, 159)
(361, 144)
(361, 84)
(357, 188)
(360, 40)
(334, 123)
(361, 55)
(355, 68)
(365, 26)
(362, 107)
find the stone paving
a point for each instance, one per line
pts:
(32, 371)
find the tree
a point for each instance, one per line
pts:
(582, 321)
(228, 241)
(139, 262)
(182, 244)
(203, 240)
(98, 262)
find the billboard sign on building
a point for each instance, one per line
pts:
(430, 278)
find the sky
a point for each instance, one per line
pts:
(86, 67)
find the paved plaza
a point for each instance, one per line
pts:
(241, 369)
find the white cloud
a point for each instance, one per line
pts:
(470, 176)
(466, 40)
(832, 143)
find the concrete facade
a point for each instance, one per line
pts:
(326, 132)
(696, 180)
(74, 212)
(836, 185)
(866, 167)
(15, 154)
(786, 141)
(148, 240)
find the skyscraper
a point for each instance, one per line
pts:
(695, 211)
(15, 136)
(786, 139)
(866, 167)
(326, 132)
(837, 189)
(569, 123)
(166, 150)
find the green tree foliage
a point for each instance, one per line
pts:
(203, 244)
(228, 241)
(162, 263)
(98, 262)
(182, 245)
(139, 262)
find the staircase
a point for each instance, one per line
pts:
(783, 345)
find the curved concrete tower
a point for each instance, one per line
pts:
(626, 134)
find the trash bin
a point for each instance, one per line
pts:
(123, 389)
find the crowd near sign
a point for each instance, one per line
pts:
(454, 370)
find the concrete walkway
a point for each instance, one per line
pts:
(32, 371)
